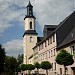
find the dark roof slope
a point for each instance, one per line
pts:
(51, 26)
(48, 29)
(29, 32)
(64, 28)
(39, 39)
(70, 38)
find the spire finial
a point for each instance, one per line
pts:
(29, 2)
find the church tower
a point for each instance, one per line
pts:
(30, 35)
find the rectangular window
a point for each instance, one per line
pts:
(48, 42)
(54, 52)
(46, 55)
(72, 50)
(52, 66)
(31, 39)
(42, 45)
(53, 38)
(45, 43)
(39, 48)
(55, 65)
(60, 70)
(30, 25)
(51, 53)
(43, 56)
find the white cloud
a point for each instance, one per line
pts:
(53, 11)
(13, 47)
(47, 11)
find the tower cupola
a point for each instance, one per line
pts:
(29, 9)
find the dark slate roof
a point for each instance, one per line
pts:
(48, 29)
(65, 28)
(70, 38)
(50, 26)
(28, 16)
(39, 39)
(30, 32)
(29, 5)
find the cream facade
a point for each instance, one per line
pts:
(27, 23)
(47, 52)
(29, 42)
(30, 35)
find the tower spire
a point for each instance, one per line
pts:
(29, 11)
(29, 4)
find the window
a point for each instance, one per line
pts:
(48, 42)
(42, 45)
(54, 52)
(72, 50)
(43, 56)
(52, 66)
(45, 43)
(30, 25)
(60, 70)
(39, 48)
(31, 39)
(55, 65)
(46, 55)
(53, 38)
(49, 54)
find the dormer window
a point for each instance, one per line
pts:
(30, 25)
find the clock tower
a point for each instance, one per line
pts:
(30, 35)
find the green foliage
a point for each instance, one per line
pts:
(30, 67)
(19, 69)
(46, 65)
(10, 65)
(23, 67)
(20, 59)
(2, 59)
(64, 58)
(37, 65)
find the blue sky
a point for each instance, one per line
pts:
(12, 13)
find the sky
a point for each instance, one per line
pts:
(12, 13)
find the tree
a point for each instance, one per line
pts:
(64, 58)
(10, 65)
(19, 69)
(2, 59)
(30, 67)
(23, 67)
(20, 59)
(46, 65)
(37, 65)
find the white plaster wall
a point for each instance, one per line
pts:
(27, 23)
(28, 51)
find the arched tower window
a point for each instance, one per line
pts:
(30, 25)
(31, 39)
